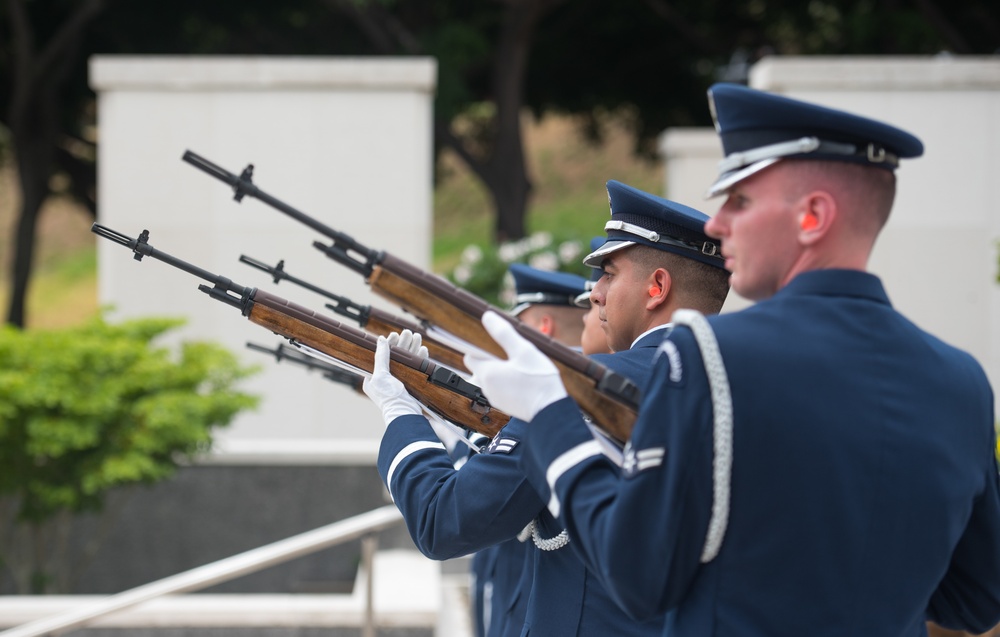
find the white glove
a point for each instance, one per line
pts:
(384, 389)
(522, 385)
(410, 341)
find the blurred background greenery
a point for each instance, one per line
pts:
(538, 102)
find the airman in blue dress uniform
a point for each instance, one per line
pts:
(545, 300)
(660, 260)
(813, 465)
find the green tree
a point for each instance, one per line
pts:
(88, 411)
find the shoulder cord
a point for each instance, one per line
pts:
(545, 544)
(722, 432)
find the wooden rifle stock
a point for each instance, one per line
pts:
(372, 319)
(357, 348)
(381, 323)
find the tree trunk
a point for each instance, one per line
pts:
(38, 77)
(505, 171)
(33, 193)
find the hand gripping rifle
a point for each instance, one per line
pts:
(330, 371)
(372, 319)
(610, 399)
(435, 386)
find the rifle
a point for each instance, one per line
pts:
(330, 372)
(372, 319)
(610, 399)
(435, 386)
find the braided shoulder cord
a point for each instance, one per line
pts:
(722, 432)
(546, 544)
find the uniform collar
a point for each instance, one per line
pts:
(854, 283)
(651, 330)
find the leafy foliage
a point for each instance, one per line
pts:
(87, 409)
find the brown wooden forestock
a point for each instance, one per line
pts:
(438, 302)
(358, 349)
(382, 323)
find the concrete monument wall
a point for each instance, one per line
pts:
(348, 141)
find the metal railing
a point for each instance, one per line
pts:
(365, 524)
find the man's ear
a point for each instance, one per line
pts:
(818, 211)
(658, 288)
(546, 325)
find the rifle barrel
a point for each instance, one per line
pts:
(141, 248)
(330, 371)
(243, 186)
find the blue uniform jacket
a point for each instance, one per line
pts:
(864, 485)
(501, 587)
(451, 513)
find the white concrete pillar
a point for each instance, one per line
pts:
(345, 140)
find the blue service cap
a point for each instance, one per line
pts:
(583, 300)
(639, 218)
(534, 286)
(758, 129)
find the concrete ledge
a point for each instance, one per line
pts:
(221, 73)
(291, 452)
(880, 73)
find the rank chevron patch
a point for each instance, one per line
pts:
(502, 445)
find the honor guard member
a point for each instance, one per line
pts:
(451, 513)
(501, 574)
(815, 464)
(658, 259)
(592, 341)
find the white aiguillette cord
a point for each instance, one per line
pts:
(722, 431)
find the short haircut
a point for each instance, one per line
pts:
(865, 192)
(568, 320)
(698, 285)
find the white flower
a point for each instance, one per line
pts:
(507, 281)
(540, 240)
(544, 261)
(569, 251)
(472, 254)
(462, 273)
(509, 252)
(507, 290)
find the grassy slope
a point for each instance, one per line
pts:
(63, 290)
(568, 174)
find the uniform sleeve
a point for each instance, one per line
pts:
(453, 512)
(642, 528)
(968, 597)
